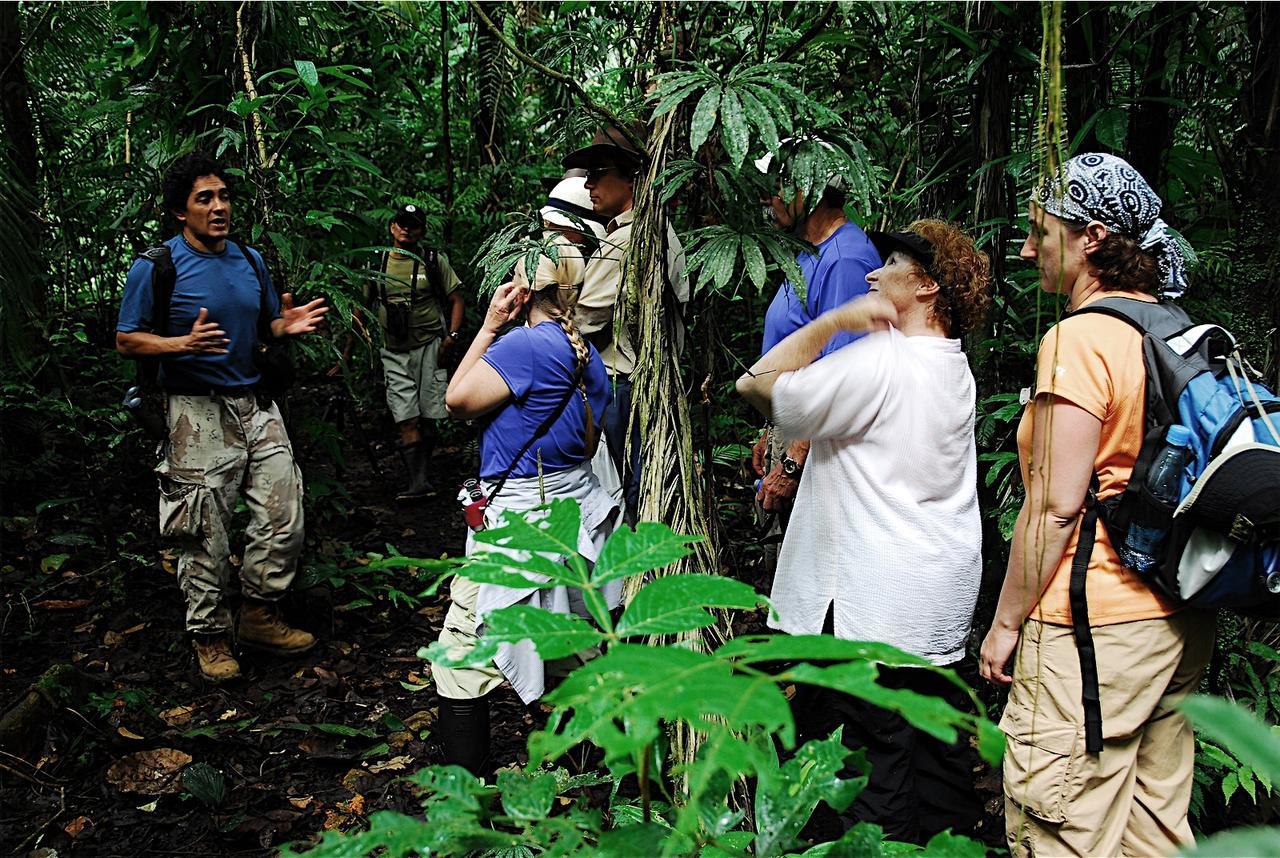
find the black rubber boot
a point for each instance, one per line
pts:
(417, 460)
(463, 729)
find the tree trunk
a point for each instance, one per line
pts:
(491, 82)
(446, 142)
(1085, 68)
(21, 287)
(1152, 122)
(1257, 174)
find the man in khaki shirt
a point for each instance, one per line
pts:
(612, 165)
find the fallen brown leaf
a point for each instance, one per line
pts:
(420, 719)
(395, 764)
(356, 780)
(152, 772)
(178, 715)
(112, 639)
(78, 826)
(60, 604)
(353, 806)
(88, 625)
(301, 802)
(135, 629)
(229, 714)
(129, 734)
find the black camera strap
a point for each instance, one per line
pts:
(382, 281)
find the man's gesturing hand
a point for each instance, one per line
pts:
(206, 338)
(298, 320)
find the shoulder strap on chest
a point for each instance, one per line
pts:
(264, 312)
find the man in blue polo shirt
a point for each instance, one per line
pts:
(225, 442)
(835, 274)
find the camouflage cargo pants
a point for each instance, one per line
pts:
(222, 448)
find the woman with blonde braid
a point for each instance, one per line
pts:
(537, 390)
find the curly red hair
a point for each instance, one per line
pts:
(962, 270)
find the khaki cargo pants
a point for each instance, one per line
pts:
(415, 383)
(220, 449)
(459, 634)
(1132, 798)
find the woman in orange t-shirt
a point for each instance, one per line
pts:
(1095, 232)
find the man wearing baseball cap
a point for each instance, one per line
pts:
(612, 164)
(835, 274)
(419, 308)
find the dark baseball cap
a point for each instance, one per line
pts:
(410, 215)
(916, 246)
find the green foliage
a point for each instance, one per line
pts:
(626, 700)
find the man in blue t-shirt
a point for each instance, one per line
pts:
(225, 442)
(835, 274)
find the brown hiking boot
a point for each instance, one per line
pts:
(217, 664)
(261, 627)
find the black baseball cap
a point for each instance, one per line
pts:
(916, 246)
(411, 216)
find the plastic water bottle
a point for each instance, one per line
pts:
(1141, 550)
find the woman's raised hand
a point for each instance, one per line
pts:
(506, 305)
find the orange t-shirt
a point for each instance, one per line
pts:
(1095, 362)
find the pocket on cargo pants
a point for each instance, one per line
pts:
(184, 502)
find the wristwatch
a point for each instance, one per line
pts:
(790, 467)
(455, 335)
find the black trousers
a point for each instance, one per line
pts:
(918, 785)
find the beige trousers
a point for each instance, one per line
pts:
(1132, 798)
(222, 449)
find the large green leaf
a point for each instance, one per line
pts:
(933, 715)
(1258, 840)
(552, 529)
(641, 687)
(527, 795)
(307, 72)
(553, 636)
(704, 119)
(652, 545)
(786, 795)
(1238, 730)
(733, 128)
(675, 604)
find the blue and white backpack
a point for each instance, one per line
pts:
(1223, 542)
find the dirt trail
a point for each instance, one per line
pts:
(299, 745)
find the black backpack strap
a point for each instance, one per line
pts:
(1080, 622)
(1162, 320)
(264, 313)
(164, 278)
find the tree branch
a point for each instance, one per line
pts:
(560, 77)
(808, 35)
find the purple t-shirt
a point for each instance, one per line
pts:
(836, 274)
(538, 365)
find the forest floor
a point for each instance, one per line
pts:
(297, 745)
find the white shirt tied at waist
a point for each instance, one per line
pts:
(519, 662)
(602, 289)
